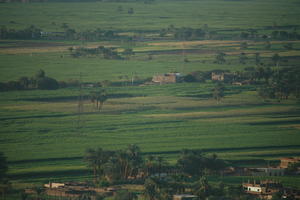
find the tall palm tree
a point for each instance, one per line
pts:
(135, 158)
(202, 188)
(149, 165)
(151, 191)
(101, 98)
(98, 98)
(90, 158)
(96, 160)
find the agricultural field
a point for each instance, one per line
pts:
(44, 136)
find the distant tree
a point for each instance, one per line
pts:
(244, 35)
(220, 58)
(96, 159)
(98, 97)
(104, 83)
(275, 34)
(253, 33)
(149, 166)
(3, 167)
(218, 91)
(243, 58)
(293, 168)
(24, 82)
(152, 188)
(128, 52)
(24, 196)
(276, 59)
(196, 76)
(70, 34)
(277, 196)
(64, 26)
(189, 78)
(201, 188)
(109, 34)
(47, 83)
(99, 197)
(257, 59)
(40, 74)
(13, 85)
(190, 162)
(244, 45)
(130, 11)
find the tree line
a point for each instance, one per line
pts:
(177, 33)
(38, 81)
(106, 53)
(129, 163)
(280, 84)
(161, 180)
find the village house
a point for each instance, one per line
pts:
(264, 189)
(166, 78)
(224, 77)
(75, 190)
(285, 162)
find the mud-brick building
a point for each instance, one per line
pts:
(167, 78)
(222, 76)
(285, 162)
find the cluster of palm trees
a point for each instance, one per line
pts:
(282, 84)
(129, 164)
(114, 165)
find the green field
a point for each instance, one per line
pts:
(160, 14)
(39, 128)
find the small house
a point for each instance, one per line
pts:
(285, 162)
(226, 77)
(166, 78)
(264, 189)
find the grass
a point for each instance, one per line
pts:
(234, 14)
(46, 132)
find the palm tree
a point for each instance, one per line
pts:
(151, 190)
(218, 92)
(201, 188)
(276, 58)
(257, 58)
(98, 98)
(135, 158)
(96, 160)
(124, 164)
(90, 158)
(149, 165)
(101, 98)
(220, 58)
